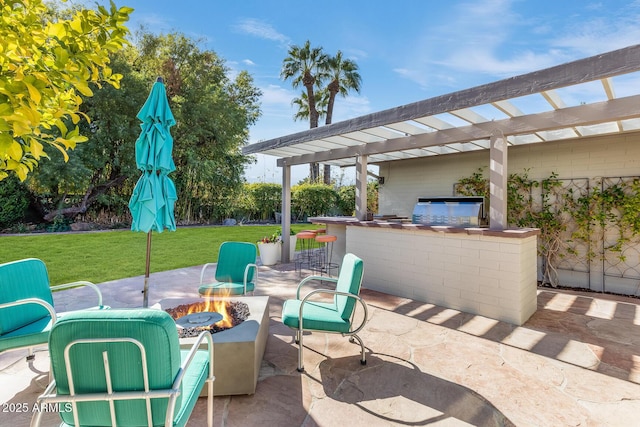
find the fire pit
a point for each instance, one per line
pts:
(213, 315)
(199, 320)
(238, 346)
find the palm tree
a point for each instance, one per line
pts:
(322, 97)
(305, 66)
(344, 77)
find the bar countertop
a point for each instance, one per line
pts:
(518, 233)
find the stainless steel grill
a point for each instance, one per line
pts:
(454, 211)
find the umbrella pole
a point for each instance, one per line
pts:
(145, 291)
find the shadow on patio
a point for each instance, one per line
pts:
(599, 332)
(575, 362)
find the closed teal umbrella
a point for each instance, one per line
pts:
(154, 195)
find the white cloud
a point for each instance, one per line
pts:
(260, 29)
(355, 54)
(492, 39)
(248, 62)
(594, 6)
(350, 107)
(416, 75)
(275, 95)
(155, 22)
(602, 34)
(487, 62)
(467, 41)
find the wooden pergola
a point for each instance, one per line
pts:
(490, 117)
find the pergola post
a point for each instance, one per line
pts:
(361, 187)
(498, 181)
(285, 217)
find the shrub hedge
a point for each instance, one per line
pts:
(259, 202)
(15, 201)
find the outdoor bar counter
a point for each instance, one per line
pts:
(492, 273)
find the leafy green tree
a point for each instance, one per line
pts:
(305, 65)
(15, 201)
(46, 66)
(213, 114)
(102, 171)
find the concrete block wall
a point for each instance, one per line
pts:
(486, 275)
(593, 157)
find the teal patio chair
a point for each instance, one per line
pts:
(124, 367)
(337, 316)
(26, 304)
(236, 271)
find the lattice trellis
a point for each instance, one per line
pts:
(574, 252)
(623, 263)
(578, 247)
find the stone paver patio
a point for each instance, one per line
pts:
(576, 362)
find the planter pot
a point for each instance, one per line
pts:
(269, 253)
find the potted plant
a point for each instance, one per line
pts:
(292, 245)
(269, 248)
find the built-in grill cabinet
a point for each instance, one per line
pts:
(464, 211)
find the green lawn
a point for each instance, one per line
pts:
(102, 256)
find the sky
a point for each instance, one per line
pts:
(406, 50)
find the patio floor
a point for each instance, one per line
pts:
(576, 362)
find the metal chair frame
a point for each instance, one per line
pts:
(49, 396)
(52, 312)
(248, 267)
(246, 274)
(352, 334)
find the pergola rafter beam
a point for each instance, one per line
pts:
(469, 115)
(508, 108)
(582, 115)
(597, 67)
(607, 85)
(554, 99)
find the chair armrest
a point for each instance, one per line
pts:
(79, 284)
(310, 278)
(334, 292)
(204, 336)
(37, 301)
(204, 267)
(246, 274)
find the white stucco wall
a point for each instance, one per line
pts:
(592, 158)
(405, 181)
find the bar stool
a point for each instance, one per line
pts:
(306, 254)
(323, 263)
(315, 251)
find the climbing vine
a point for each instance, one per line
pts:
(547, 205)
(609, 206)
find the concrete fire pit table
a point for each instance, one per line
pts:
(238, 351)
